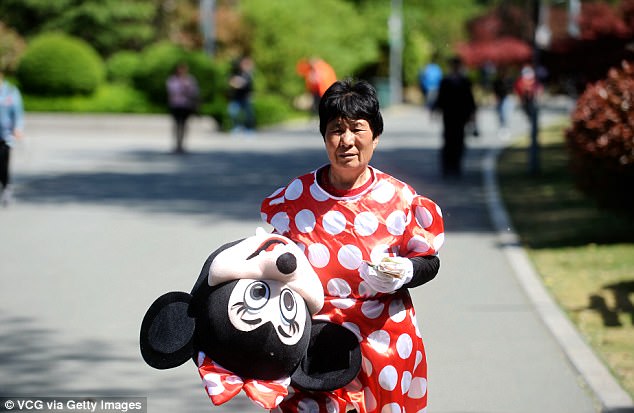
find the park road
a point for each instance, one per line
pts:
(106, 219)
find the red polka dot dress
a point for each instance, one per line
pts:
(387, 218)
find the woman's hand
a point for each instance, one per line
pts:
(387, 276)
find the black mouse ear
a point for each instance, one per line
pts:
(333, 358)
(167, 331)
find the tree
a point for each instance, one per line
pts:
(11, 48)
(109, 25)
(280, 36)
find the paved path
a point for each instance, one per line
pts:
(106, 220)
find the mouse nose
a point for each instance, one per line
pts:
(286, 263)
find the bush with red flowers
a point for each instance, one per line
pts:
(601, 139)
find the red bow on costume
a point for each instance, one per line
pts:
(222, 385)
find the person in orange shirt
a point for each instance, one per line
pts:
(318, 75)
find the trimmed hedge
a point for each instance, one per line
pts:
(56, 64)
(601, 139)
(159, 61)
(122, 66)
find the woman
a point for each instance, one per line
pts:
(369, 237)
(182, 100)
(11, 128)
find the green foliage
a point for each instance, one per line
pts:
(211, 77)
(159, 60)
(114, 98)
(601, 139)
(299, 32)
(108, 25)
(270, 109)
(11, 48)
(441, 22)
(122, 66)
(57, 64)
(418, 52)
(352, 35)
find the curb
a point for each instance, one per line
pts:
(609, 393)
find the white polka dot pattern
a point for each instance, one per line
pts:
(366, 224)
(350, 257)
(379, 340)
(305, 221)
(338, 287)
(383, 192)
(318, 255)
(280, 222)
(404, 346)
(396, 223)
(336, 234)
(388, 378)
(317, 193)
(391, 408)
(418, 388)
(334, 222)
(294, 190)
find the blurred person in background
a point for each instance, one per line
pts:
(503, 91)
(457, 104)
(11, 128)
(318, 76)
(240, 96)
(182, 100)
(528, 89)
(429, 78)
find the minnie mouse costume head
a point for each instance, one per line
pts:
(247, 324)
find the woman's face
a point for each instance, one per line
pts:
(349, 143)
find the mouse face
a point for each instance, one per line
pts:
(250, 313)
(254, 328)
(255, 302)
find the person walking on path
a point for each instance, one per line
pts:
(429, 78)
(353, 222)
(457, 104)
(503, 91)
(182, 99)
(318, 76)
(241, 89)
(11, 128)
(528, 89)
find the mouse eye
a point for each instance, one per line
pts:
(288, 305)
(256, 295)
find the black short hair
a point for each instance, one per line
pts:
(350, 100)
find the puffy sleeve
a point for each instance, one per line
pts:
(425, 231)
(272, 212)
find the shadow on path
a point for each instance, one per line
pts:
(232, 183)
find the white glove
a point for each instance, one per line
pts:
(387, 276)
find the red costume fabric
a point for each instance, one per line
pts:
(336, 233)
(222, 385)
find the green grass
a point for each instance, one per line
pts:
(584, 254)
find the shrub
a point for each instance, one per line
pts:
(601, 139)
(106, 99)
(212, 80)
(11, 48)
(160, 59)
(56, 64)
(271, 109)
(122, 66)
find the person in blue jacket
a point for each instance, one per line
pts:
(429, 79)
(11, 128)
